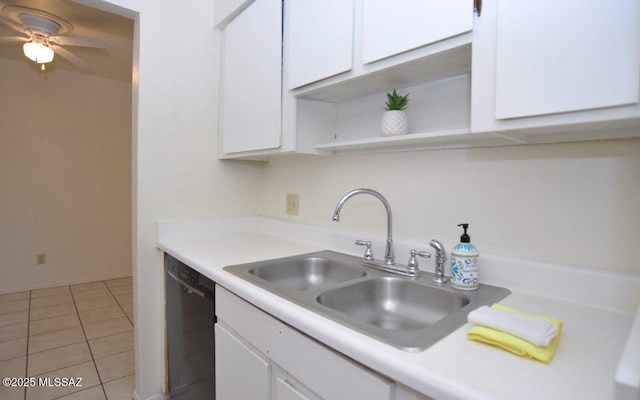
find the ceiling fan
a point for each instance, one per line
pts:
(45, 36)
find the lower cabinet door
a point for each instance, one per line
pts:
(286, 391)
(241, 374)
(314, 369)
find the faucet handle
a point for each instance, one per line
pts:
(412, 265)
(441, 258)
(368, 253)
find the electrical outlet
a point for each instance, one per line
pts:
(293, 204)
(40, 259)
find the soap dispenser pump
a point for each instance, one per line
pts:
(464, 263)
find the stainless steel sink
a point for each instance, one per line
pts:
(411, 313)
(393, 303)
(306, 273)
(309, 272)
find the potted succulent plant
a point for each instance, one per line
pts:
(394, 120)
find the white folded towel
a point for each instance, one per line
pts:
(533, 330)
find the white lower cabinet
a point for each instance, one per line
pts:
(242, 373)
(260, 357)
(284, 390)
(246, 374)
(225, 10)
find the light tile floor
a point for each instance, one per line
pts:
(72, 331)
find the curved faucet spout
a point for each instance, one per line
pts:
(388, 254)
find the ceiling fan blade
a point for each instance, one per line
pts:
(13, 39)
(72, 58)
(78, 41)
(15, 26)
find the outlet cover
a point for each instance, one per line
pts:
(293, 204)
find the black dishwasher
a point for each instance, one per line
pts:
(190, 343)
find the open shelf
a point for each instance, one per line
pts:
(456, 138)
(438, 112)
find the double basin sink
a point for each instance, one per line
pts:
(411, 313)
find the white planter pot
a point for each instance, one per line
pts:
(394, 123)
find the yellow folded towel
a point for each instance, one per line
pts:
(514, 344)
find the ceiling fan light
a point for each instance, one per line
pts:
(38, 52)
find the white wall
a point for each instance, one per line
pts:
(65, 162)
(176, 172)
(574, 203)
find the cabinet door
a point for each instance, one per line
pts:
(558, 56)
(286, 391)
(393, 27)
(251, 83)
(225, 10)
(240, 373)
(319, 39)
(324, 372)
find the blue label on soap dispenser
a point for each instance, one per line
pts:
(465, 269)
(465, 247)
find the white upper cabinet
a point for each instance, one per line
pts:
(521, 72)
(251, 81)
(558, 56)
(393, 27)
(320, 39)
(553, 71)
(417, 47)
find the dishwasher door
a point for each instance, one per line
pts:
(189, 324)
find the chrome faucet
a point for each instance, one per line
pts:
(441, 257)
(388, 252)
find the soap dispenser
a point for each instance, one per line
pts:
(464, 263)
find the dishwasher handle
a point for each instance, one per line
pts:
(185, 287)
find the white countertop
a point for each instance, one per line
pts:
(596, 325)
